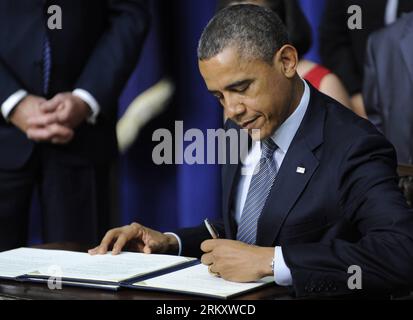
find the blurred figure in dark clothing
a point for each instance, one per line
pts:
(58, 97)
(388, 85)
(343, 50)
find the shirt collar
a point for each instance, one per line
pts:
(286, 133)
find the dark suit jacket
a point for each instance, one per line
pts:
(388, 85)
(96, 50)
(345, 210)
(342, 50)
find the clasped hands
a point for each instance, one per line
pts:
(231, 260)
(51, 120)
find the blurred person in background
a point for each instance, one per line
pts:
(343, 50)
(59, 86)
(388, 85)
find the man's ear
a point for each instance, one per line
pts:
(287, 59)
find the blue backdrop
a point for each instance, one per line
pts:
(167, 197)
(313, 9)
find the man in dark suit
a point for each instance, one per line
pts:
(318, 199)
(343, 50)
(388, 85)
(58, 98)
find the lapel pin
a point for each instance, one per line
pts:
(300, 170)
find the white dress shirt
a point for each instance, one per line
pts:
(283, 138)
(12, 102)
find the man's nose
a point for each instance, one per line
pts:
(233, 108)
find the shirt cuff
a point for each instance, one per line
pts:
(91, 101)
(12, 102)
(282, 274)
(179, 241)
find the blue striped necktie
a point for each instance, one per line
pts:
(47, 64)
(260, 187)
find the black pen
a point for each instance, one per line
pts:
(214, 234)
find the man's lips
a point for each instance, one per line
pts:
(248, 124)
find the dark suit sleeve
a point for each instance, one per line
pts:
(336, 48)
(371, 201)
(371, 88)
(8, 85)
(192, 238)
(116, 54)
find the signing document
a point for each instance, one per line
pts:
(127, 270)
(37, 263)
(197, 280)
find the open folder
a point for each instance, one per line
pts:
(127, 270)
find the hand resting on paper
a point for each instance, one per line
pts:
(135, 237)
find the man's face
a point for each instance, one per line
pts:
(254, 94)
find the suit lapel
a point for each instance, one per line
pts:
(289, 183)
(406, 45)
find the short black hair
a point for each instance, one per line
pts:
(290, 12)
(257, 32)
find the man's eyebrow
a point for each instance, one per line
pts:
(233, 85)
(238, 84)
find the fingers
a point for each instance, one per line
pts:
(147, 242)
(209, 245)
(53, 121)
(64, 113)
(55, 133)
(93, 251)
(212, 271)
(107, 240)
(59, 115)
(53, 104)
(207, 259)
(119, 237)
(147, 249)
(43, 120)
(47, 127)
(119, 244)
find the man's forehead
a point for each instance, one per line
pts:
(226, 58)
(228, 68)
